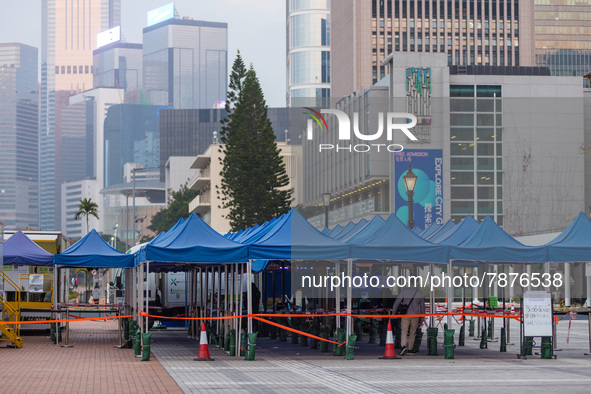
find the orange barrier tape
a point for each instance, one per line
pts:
(296, 331)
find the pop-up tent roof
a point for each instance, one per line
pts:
(430, 230)
(93, 252)
(293, 238)
(194, 241)
(492, 244)
(20, 250)
(573, 244)
(396, 242)
(336, 230)
(417, 230)
(353, 230)
(441, 230)
(363, 234)
(456, 234)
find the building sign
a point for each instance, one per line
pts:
(427, 165)
(161, 14)
(108, 36)
(418, 93)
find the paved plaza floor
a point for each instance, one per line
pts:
(94, 365)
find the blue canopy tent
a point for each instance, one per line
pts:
(337, 229)
(194, 241)
(361, 235)
(21, 250)
(417, 230)
(430, 230)
(93, 252)
(292, 237)
(573, 244)
(396, 242)
(353, 230)
(457, 234)
(335, 235)
(490, 243)
(441, 230)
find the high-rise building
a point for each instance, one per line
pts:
(308, 52)
(186, 63)
(119, 65)
(69, 31)
(19, 178)
(470, 32)
(563, 37)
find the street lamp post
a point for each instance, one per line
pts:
(410, 181)
(115, 236)
(133, 193)
(326, 203)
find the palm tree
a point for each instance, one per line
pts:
(86, 208)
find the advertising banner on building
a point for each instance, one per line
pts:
(427, 165)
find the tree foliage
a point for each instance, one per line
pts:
(253, 170)
(87, 208)
(177, 208)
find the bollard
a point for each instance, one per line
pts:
(503, 340)
(232, 346)
(546, 348)
(315, 332)
(462, 338)
(490, 329)
(294, 336)
(340, 338)
(418, 339)
(222, 338)
(432, 341)
(483, 339)
(52, 332)
(147, 338)
(227, 341)
(448, 344)
(358, 329)
(137, 345)
(528, 344)
(243, 343)
(373, 331)
(252, 344)
(126, 329)
(471, 327)
(323, 344)
(350, 347)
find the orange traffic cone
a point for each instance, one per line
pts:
(390, 352)
(203, 346)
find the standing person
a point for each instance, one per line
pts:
(410, 301)
(76, 284)
(96, 293)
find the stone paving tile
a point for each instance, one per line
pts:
(93, 365)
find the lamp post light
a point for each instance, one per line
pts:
(410, 181)
(133, 193)
(115, 236)
(326, 203)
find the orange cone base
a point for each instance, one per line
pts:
(389, 358)
(203, 359)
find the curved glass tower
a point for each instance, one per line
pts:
(308, 52)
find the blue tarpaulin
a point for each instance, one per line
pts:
(396, 242)
(194, 241)
(20, 250)
(492, 244)
(573, 244)
(292, 237)
(93, 252)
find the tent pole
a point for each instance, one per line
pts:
(450, 293)
(249, 293)
(147, 293)
(431, 300)
(567, 284)
(141, 295)
(239, 307)
(337, 296)
(349, 297)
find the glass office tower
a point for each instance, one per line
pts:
(186, 63)
(19, 140)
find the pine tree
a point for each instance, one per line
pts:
(253, 170)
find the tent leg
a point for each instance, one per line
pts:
(338, 296)
(249, 294)
(431, 300)
(450, 292)
(349, 297)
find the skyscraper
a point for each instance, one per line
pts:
(69, 31)
(119, 65)
(19, 177)
(470, 32)
(563, 37)
(186, 63)
(308, 52)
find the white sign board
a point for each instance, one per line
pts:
(108, 36)
(537, 314)
(36, 283)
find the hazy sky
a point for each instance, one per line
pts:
(256, 27)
